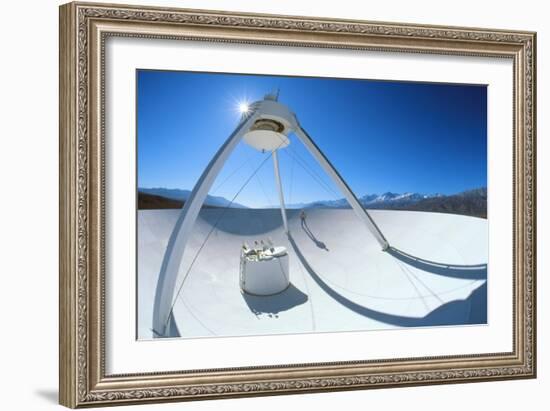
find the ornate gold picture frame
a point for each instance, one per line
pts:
(84, 30)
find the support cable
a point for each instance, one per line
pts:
(212, 230)
(230, 175)
(313, 174)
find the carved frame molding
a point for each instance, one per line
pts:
(84, 27)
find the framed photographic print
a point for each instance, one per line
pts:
(258, 204)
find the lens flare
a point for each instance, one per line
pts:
(243, 108)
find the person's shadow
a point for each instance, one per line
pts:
(310, 234)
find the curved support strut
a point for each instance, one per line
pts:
(360, 211)
(182, 230)
(184, 225)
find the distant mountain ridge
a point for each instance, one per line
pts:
(182, 195)
(370, 201)
(470, 202)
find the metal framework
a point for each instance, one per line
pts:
(253, 125)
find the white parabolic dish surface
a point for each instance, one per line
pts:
(435, 273)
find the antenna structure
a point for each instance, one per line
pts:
(266, 127)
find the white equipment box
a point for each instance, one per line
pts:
(264, 270)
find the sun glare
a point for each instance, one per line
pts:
(243, 108)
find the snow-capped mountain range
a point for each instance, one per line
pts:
(371, 200)
(471, 202)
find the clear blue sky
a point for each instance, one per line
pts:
(380, 135)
